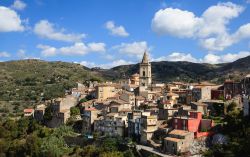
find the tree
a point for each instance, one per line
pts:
(33, 144)
(83, 100)
(128, 153)
(90, 150)
(74, 111)
(113, 154)
(48, 113)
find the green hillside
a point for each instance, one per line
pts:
(26, 82)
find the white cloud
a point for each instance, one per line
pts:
(175, 22)
(218, 43)
(229, 57)
(82, 49)
(45, 29)
(47, 51)
(116, 63)
(106, 65)
(4, 54)
(210, 28)
(97, 47)
(209, 58)
(78, 48)
(88, 64)
(212, 59)
(10, 20)
(215, 18)
(116, 30)
(132, 49)
(242, 33)
(18, 5)
(177, 56)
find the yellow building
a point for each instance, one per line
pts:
(135, 79)
(105, 91)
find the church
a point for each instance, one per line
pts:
(141, 84)
(147, 89)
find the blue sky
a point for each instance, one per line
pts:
(108, 33)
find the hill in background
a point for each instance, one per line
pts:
(166, 71)
(26, 82)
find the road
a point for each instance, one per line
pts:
(152, 150)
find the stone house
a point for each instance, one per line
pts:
(112, 124)
(134, 123)
(178, 141)
(148, 127)
(89, 116)
(104, 91)
(200, 107)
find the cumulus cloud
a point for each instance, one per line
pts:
(18, 5)
(97, 47)
(208, 58)
(10, 20)
(47, 51)
(116, 30)
(177, 56)
(78, 48)
(212, 59)
(106, 65)
(88, 64)
(4, 54)
(135, 49)
(229, 57)
(175, 22)
(45, 29)
(210, 28)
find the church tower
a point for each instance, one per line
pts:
(145, 72)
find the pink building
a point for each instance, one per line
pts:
(193, 123)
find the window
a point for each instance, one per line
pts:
(143, 73)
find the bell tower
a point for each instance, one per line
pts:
(145, 71)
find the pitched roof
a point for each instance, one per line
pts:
(91, 109)
(28, 110)
(172, 139)
(145, 58)
(179, 132)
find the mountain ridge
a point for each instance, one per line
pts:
(165, 71)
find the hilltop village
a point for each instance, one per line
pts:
(164, 119)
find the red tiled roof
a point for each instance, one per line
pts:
(90, 109)
(28, 110)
